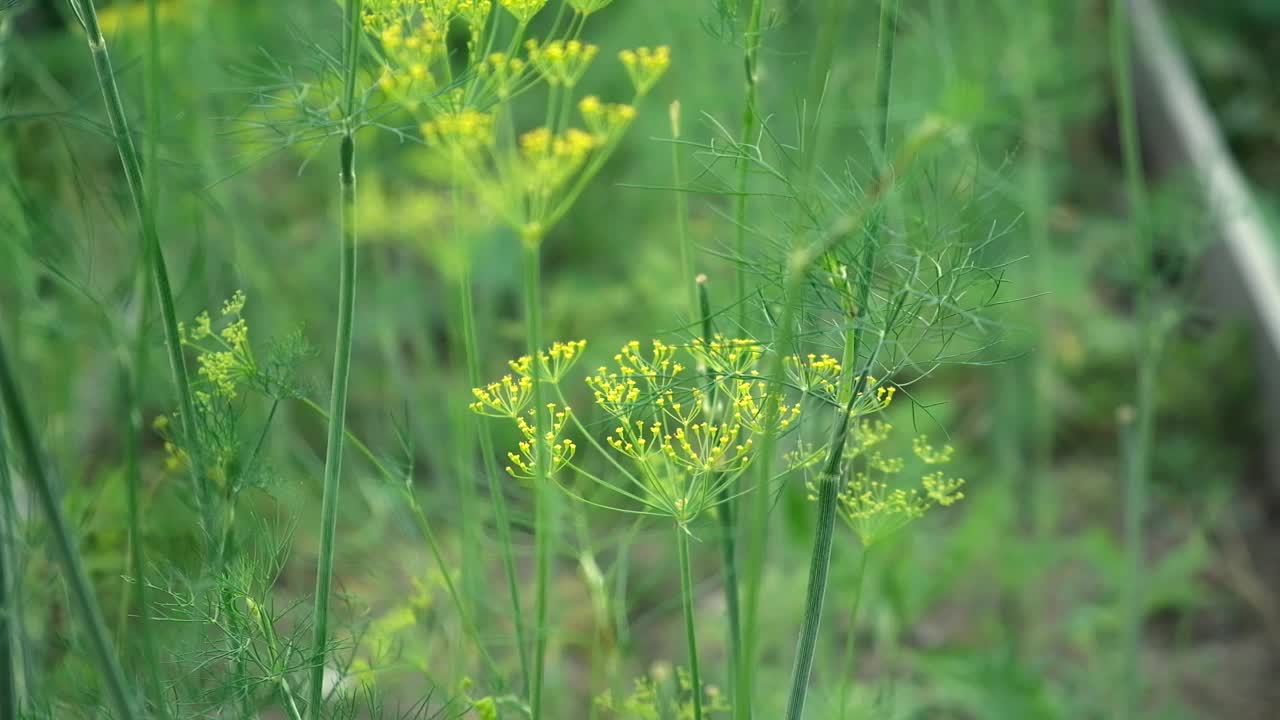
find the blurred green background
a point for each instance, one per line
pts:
(1008, 607)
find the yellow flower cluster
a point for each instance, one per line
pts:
(502, 73)
(524, 462)
(817, 375)
(646, 66)
(684, 452)
(462, 131)
(561, 63)
(523, 10)
(506, 398)
(555, 361)
(587, 7)
(607, 121)
(728, 357)
(874, 503)
(412, 36)
(223, 356)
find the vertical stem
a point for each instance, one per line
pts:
(119, 696)
(337, 418)
(751, 59)
(682, 211)
(728, 524)
(686, 597)
(144, 210)
(848, 670)
(815, 593)
(496, 495)
(1141, 438)
(543, 497)
(9, 619)
(341, 364)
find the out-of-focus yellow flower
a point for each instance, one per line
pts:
(646, 66)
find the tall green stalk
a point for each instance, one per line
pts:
(750, 123)
(120, 696)
(829, 482)
(1137, 467)
(341, 366)
(497, 498)
(691, 635)
(134, 372)
(728, 525)
(543, 495)
(687, 278)
(9, 619)
(145, 211)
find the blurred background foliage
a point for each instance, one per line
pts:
(968, 617)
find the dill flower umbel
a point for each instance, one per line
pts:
(223, 354)
(646, 66)
(523, 10)
(561, 63)
(874, 501)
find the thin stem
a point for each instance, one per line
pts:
(682, 211)
(9, 620)
(337, 424)
(1139, 448)
(750, 122)
(542, 493)
(815, 593)
(686, 597)
(145, 212)
(847, 670)
(497, 497)
(726, 511)
(119, 696)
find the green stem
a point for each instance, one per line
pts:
(145, 212)
(848, 671)
(9, 619)
(119, 696)
(682, 211)
(497, 497)
(686, 597)
(750, 121)
(337, 425)
(542, 493)
(728, 525)
(1139, 448)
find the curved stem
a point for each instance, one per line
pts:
(686, 598)
(145, 212)
(120, 696)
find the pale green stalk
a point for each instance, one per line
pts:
(1137, 468)
(120, 697)
(682, 211)
(497, 497)
(9, 619)
(727, 514)
(144, 209)
(341, 368)
(750, 123)
(690, 622)
(543, 495)
(829, 485)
